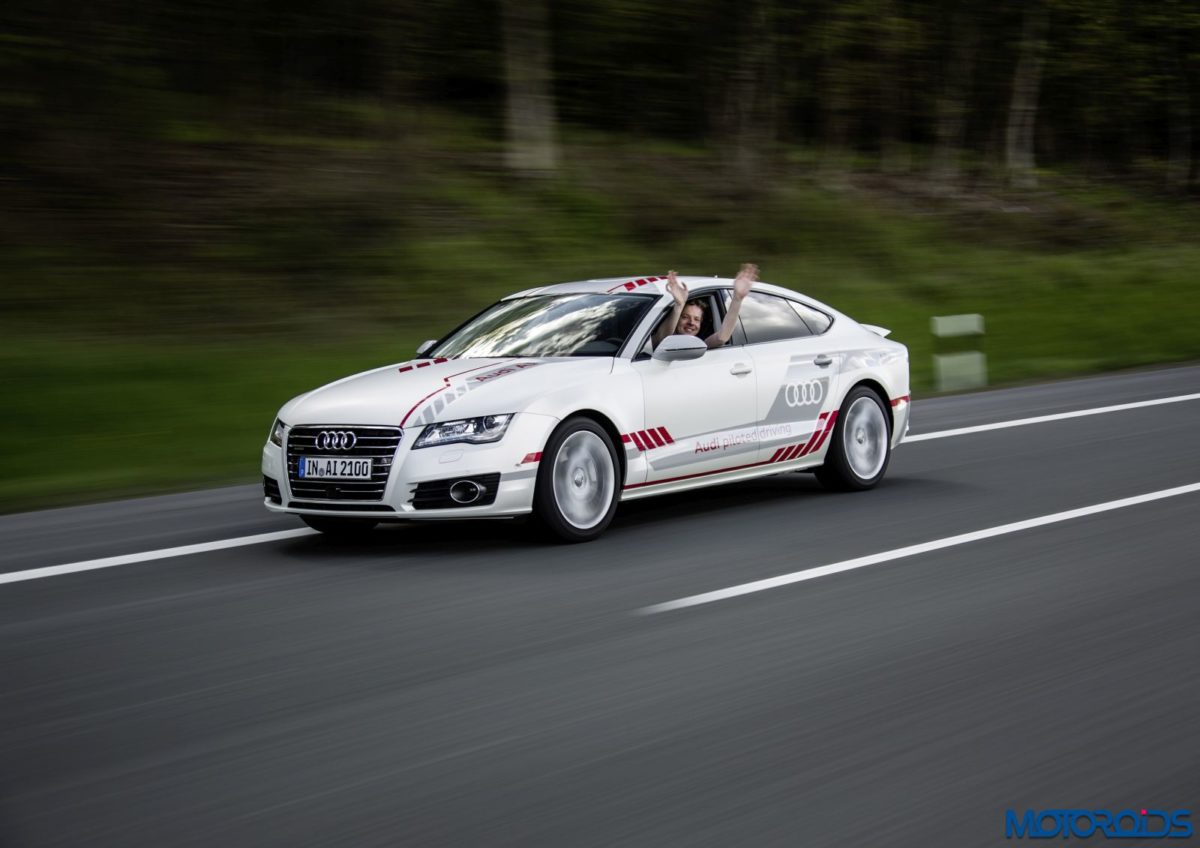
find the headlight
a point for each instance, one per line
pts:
(277, 431)
(476, 431)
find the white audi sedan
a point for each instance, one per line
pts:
(554, 402)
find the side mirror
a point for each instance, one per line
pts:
(426, 347)
(679, 348)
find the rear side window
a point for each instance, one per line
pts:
(816, 320)
(767, 318)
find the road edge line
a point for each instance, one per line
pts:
(1039, 419)
(911, 550)
(148, 556)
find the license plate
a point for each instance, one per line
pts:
(334, 468)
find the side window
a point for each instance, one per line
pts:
(816, 320)
(647, 346)
(767, 318)
(738, 339)
(710, 320)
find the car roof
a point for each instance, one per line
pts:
(652, 284)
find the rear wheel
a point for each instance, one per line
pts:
(342, 528)
(861, 445)
(578, 482)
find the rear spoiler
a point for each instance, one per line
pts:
(879, 331)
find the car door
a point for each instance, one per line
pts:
(699, 414)
(797, 371)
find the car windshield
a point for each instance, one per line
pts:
(549, 325)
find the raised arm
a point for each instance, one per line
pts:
(679, 291)
(745, 279)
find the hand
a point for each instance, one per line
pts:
(746, 278)
(677, 288)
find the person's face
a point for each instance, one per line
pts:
(689, 321)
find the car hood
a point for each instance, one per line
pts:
(423, 391)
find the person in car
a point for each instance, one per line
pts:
(687, 316)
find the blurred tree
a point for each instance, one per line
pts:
(1175, 25)
(898, 38)
(530, 117)
(841, 75)
(745, 116)
(1022, 110)
(953, 71)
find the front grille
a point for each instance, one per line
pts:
(435, 494)
(271, 489)
(378, 443)
(341, 507)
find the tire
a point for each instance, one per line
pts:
(860, 447)
(578, 482)
(340, 528)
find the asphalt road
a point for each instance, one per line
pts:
(457, 684)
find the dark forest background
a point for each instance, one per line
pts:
(207, 207)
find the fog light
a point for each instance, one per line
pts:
(465, 492)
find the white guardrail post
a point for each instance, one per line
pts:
(954, 365)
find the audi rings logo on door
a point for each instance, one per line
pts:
(806, 393)
(336, 440)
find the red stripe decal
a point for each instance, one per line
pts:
(900, 400)
(422, 364)
(633, 284)
(816, 434)
(440, 360)
(625, 438)
(793, 452)
(819, 434)
(421, 401)
(826, 431)
(775, 455)
(653, 434)
(662, 431)
(637, 441)
(446, 381)
(531, 457)
(406, 368)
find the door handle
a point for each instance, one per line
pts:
(740, 369)
(822, 360)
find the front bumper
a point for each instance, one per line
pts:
(514, 458)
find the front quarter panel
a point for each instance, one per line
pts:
(615, 396)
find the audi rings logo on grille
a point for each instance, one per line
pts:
(336, 440)
(806, 393)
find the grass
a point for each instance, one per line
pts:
(95, 420)
(129, 371)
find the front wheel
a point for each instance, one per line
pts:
(861, 446)
(578, 482)
(341, 528)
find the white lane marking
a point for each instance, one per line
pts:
(1058, 416)
(912, 550)
(147, 556)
